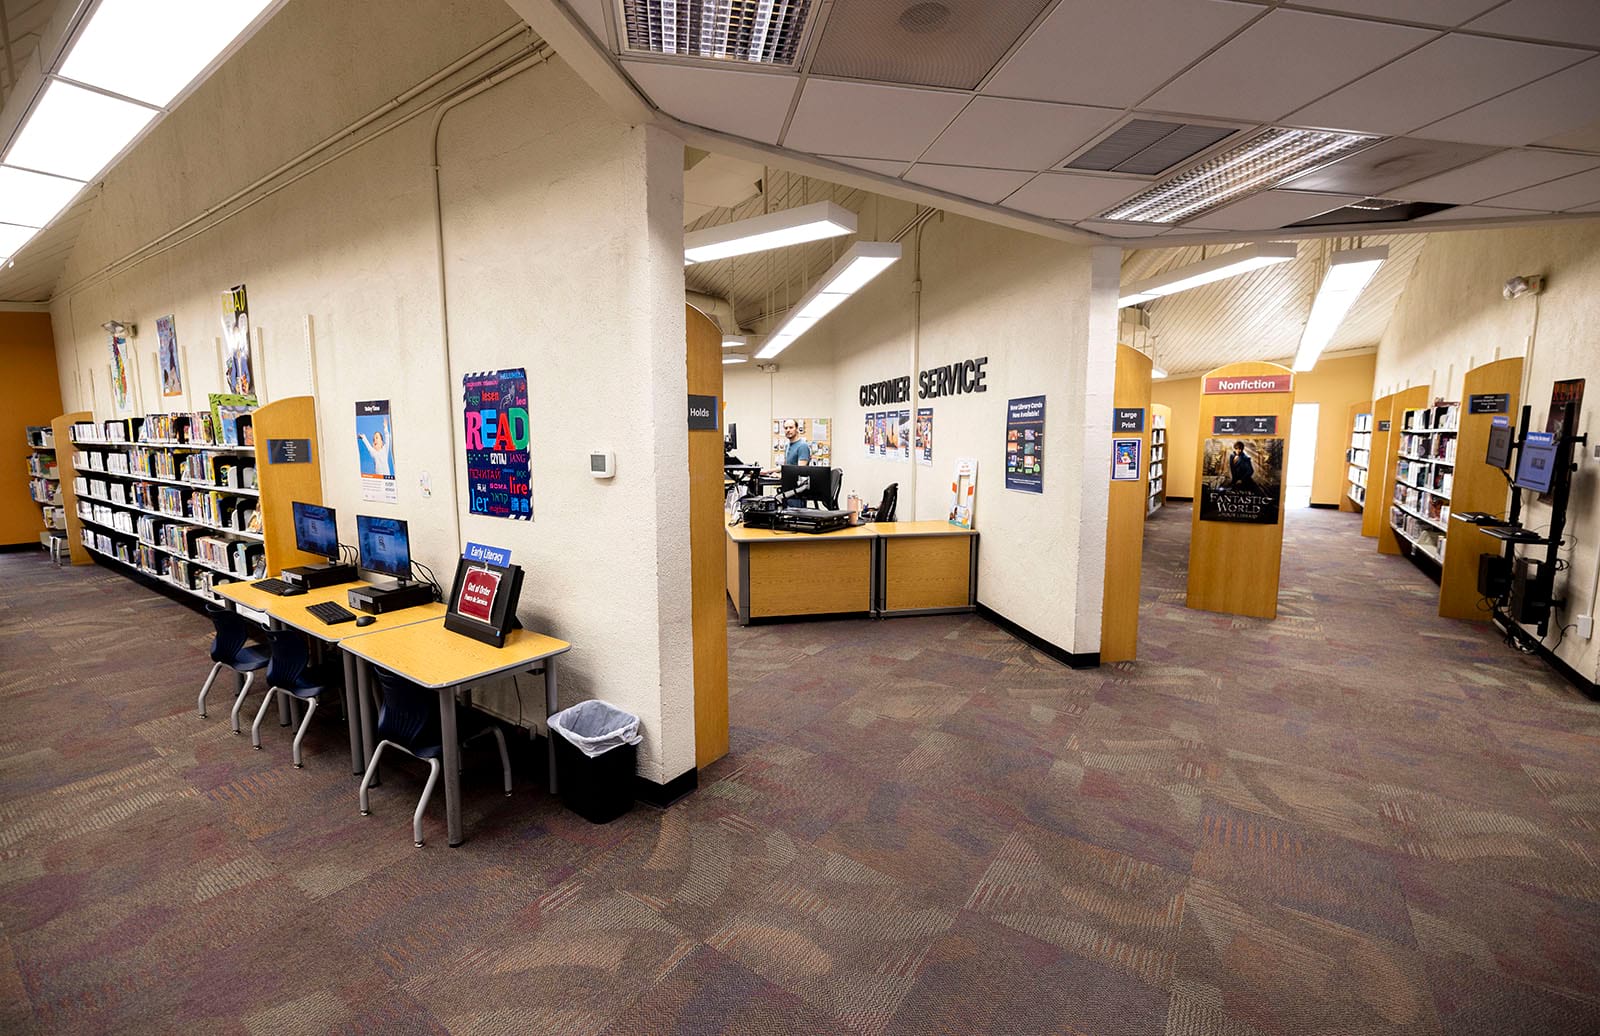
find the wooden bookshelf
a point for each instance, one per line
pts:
(1411, 399)
(1126, 504)
(1378, 468)
(1424, 477)
(1358, 458)
(1160, 419)
(159, 495)
(60, 435)
(1477, 487)
(44, 480)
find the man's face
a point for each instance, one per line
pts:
(790, 431)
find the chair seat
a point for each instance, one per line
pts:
(251, 657)
(312, 682)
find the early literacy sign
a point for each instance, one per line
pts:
(485, 553)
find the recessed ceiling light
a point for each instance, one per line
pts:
(1219, 267)
(734, 341)
(735, 359)
(75, 133)
(182, 37)
(796, 226)
(1263, 161)
(762, 31)
(13, 237)
(1348, 274)
(33, 199)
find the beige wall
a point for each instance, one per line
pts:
(1452, 318)
(30, 394)
(1335, 384)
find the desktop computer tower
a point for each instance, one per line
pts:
(1494, 576)
(312, 577)
(375, 600)
(1530, 593)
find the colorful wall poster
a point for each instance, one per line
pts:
(121, 374)
(1125, 459)
(375, 448)
(1241, 480)
(236, 342)
(963, 492)
(880, 446)
(1025, 444)
(167, 356)
(923, 445)
(226, 409)
(902, 435)
(499, 469)
(869, 434)
(815, 432)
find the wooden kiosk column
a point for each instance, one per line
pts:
(1233, 565)
(1475, 485)
(1410, 399)
(1356, 410)
(707, 532)
(1125, 514)
(1380, 470)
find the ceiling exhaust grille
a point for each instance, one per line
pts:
(762, 31)
(1148, 147)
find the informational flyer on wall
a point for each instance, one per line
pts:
(963, 492)
(814, 434)
(1025, 444)
(923, 445)
(1241, 480)
(902, 431)
(236, 341)
(375, 447)
(1125, 460)
(499, 468)
(167, 355)
(869, 433)
(121, 373)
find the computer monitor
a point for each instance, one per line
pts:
(316, 530)
(384, 545)
(1536, 465)
(730, 440)
(1499, 454)
(819, 487)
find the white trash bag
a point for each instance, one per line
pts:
(596, 727)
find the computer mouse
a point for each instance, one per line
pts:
(366, 620)
(293, 591)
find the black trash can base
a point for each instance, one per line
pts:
(598, 789)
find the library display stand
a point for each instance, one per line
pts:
(1424, 477)
(1358, 458)
(1379, 465)
(1234, 566)
(1414, 398)
(1477, 486)
(1125, 515)
(161, 495)
(44, 481)
(1160, 417)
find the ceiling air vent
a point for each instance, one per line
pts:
(1148, 147)
(762, 31)
(1374, 210)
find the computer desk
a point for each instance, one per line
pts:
(291, 611)
(429, 655)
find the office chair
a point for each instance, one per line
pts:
(291, 673)
(229, 648)
(884, 512)
(408, 720)
(835, 484)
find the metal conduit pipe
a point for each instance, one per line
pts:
(719, 310)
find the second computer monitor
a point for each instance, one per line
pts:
(316, 530)
(1499, 452)
(819, 485)
(384, 545)
(1536, 466)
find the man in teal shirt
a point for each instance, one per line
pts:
(798, 451)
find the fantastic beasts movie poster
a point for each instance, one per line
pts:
(1241, 480)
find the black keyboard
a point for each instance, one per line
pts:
(331, 613)
(278, 587)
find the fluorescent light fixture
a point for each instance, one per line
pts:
(75, 133)
(863, 261)
(1348, 274)
(182, 38)
(762, 31)
(13, 237)
(33, 199)
(734, 341)
(1218, 267)
(1157, 373)
(735, 358)
(1263, 161)
(814, 222)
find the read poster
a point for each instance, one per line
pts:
(236, 342)
(375, 447)
(120, 390)
(1241, 480)
(924, 440)
(499, 472)
(167, 351)
(1025, 444)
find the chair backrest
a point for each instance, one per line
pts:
(231, 632)
(891, 497)
(409, 714)
(290, 657)
(835, 484)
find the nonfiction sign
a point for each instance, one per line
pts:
(1241, 480)
(1250, 383)
(495, 417)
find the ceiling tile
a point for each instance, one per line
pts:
(869, 121)
(700, 96)
(1388, 164)
(1548, 107)
(1469, 212)
(985, 185)
(954, 43)
(1563, 195)
(1562, 21)
(1283, 61)
(593, 13)
(1270, 210)
(1444, 13)
(1585, 138)
(888, 167)
(1495, 175)
(1072, 196)
(1006, 134)
(1444, 77)
(1067, 59)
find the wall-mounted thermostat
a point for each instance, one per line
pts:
(602, 464)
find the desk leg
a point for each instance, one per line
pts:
(550, 709)
(369, 735)
(283, 699)
(351, 714)
(744, 584)
(451, 763)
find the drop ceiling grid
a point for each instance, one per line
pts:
(26, 20)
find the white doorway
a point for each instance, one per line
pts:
(1302, 454)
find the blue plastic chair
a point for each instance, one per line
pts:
(408, 720)
(229, 648)
(291, 674)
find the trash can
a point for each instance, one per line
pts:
(597, 753)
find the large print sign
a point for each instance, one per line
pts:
(499, 474)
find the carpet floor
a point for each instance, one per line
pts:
(1358, 818)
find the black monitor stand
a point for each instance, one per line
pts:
(1530, 581)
